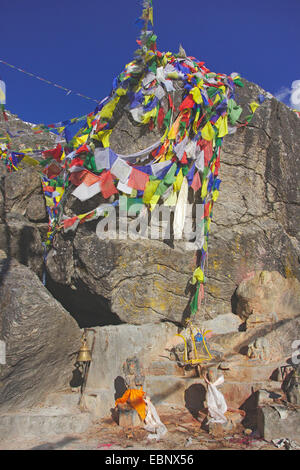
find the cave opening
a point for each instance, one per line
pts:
(88, 310)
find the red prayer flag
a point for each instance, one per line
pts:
(81, 149)
(188, 102)
(76, 177)
(107, 185)
(54, 153)
(89, 178)
(69, 222)
(160, 117)
(184, 159)
(196, 184)
(138, 180)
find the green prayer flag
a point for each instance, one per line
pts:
(194, 302)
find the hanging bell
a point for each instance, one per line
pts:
(84, 354)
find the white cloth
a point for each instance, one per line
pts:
(124, 188)
(148, 79)
(84, 192)
(121, 170)
(153, 423)
(159, 92)
(200, 161)
(157, 168)
(216, 403)
(180, 148)
(141, 153)
(180, 210)
(102, 158)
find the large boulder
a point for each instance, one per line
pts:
(255, 226)
(40, 335)
(256, 218)
(143, 281)
(268, 296)
(23, 217)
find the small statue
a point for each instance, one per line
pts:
(132, 372)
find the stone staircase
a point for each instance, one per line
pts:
(165, 382)
(58, 415)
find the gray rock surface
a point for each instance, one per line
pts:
(276, 422)
(255, 225)
(268, 297)
(113, 345)
(41, 338)
(23, 135)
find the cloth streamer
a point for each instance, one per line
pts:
(153, 423)
(216, 403)
(180, 210)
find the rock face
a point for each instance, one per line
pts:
(268, 297)
(112, 347)
(41, 338)
(276, 422)
(23, 135)
(255, 227)
(23, 217)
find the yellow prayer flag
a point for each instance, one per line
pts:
(223, 126)
(80, 140)
(30, 161)
(121, 91)
(254, 106)
(215, 195)
(49, 201)
(104, 137)
(154, 200)
(208, 132)
(178, 182)
(150, 189)
(195, 92)
(204, 189)
(151, 15)
(198, 276)
(147, 116)
(108, 110)
(171, 200)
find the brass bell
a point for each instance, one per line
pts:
(84, 354)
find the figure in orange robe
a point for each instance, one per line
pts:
(134, 398)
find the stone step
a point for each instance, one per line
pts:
(164, 367)
(249, 371)
(191, 391)
(63, 399)
(50, 422)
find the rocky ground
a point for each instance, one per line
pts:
(184, 433)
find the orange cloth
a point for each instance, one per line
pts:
(134, 398)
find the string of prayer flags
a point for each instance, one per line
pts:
(184, 161)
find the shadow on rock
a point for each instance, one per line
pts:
(194, 399)
(55, 445)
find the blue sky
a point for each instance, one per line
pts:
(83, 45)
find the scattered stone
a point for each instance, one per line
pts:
(277, 421)
(292, 387)
(267, 297)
